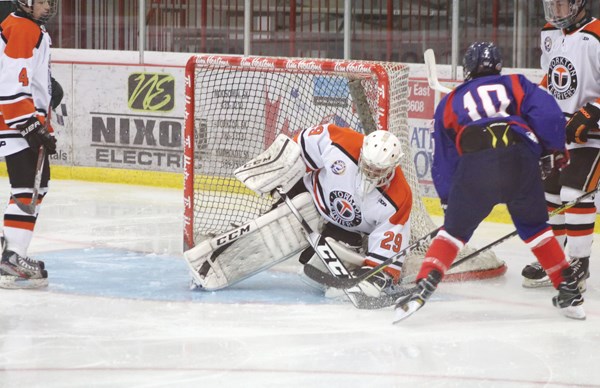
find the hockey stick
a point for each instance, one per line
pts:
(30, 209)
(432, 78)
(323, 251)
(564, 207)
(334, 282)
(362, 106)
(339, 282)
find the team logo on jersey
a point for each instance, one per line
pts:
(338, 167)
(548, 44)
(562, 78)
(343, 209)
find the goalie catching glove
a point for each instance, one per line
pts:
(279, 165)
(36, 133)
(582, 122)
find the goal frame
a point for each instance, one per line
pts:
(306, 65)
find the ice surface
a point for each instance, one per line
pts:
(118, 313)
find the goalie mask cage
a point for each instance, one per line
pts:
(236, 106)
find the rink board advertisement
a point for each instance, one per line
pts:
(421, 101)
(131, 117)
(128, 117)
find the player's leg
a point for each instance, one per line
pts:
(15, 266)
(348, 247)
(581, 176)
(533, 274)
(576, 225)
(476, 189)
(529, 214)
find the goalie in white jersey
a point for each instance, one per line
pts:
(358, 187)
(570, 44)
(350, 181)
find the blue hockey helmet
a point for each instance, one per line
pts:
(562, 13)
(481, 58)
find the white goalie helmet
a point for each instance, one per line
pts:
(379, 156)
(562, 13)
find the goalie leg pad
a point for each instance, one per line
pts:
(253, 247)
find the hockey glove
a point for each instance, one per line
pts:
(37, 134)
(561, 159)
(555, 161)
(408, 305)
(581, 123)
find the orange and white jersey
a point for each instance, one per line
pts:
(572, 65)
(24, 78)
(331, 154)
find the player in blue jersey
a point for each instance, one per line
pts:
(490, 133)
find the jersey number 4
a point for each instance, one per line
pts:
(23, 77)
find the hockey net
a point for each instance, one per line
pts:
(236, 106)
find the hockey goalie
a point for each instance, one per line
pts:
(347, 186)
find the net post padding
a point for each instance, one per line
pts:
(236, 106)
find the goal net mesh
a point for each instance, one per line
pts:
(236, 106)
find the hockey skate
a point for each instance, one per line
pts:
(21, 272)
(39, 263)
(534, 275)
(581, 268)
(569, 299)
(408, 305)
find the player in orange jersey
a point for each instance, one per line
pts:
(25, 97)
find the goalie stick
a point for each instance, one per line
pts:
(432, 78)
(339, 282)
(30, 209)
(322, 249)
(336, 266)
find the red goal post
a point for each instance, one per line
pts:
(237, 105)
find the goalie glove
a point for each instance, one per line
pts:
(582, 122)
(408, 305)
